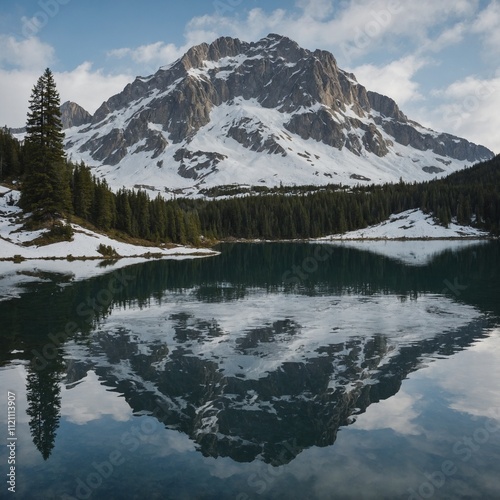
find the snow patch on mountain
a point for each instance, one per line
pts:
(268, 113)
(298, 161)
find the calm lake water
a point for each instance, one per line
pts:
(280, 371)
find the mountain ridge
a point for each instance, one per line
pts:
(261, 112)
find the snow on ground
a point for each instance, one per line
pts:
(427, 238)
(83, 245)
(412, 224)
(307, 161)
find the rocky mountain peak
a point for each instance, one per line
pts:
(386, 106)
(280, 46)
(73, 115)
(291, 113)
(223, 47)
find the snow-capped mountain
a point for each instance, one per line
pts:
(268, 112)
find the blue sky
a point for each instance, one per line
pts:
(440, 60)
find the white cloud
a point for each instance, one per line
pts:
(449, 37)
(15, 89)
(468, 108)
(488, 18)
(148, 58)
(258, 23)
(394, 79)
(30, 53)
(86, 86)
(156, 54)
(486, 25)
(316, 9)
(22, 63)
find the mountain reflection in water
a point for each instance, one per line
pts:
(245, 365)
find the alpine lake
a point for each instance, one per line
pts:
(270, 371)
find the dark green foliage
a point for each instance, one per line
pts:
(107, 250)
(123, 212)
(471, 196)
(45, 189)
(131, 212)
(83, 191)
(11, 158)
(61, 232)
(103, 206)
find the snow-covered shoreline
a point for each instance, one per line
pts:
(14, 242)
(410, 225)
(72, 261)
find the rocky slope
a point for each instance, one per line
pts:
(232, 112)
(73, 115)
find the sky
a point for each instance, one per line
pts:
(439, 60)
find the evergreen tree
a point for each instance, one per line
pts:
(83, 191)
(104, 216)
(10, 155)
(193, 230)
(46, 188)
(123, 212)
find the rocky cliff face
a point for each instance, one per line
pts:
(73, 115)
(269, 112)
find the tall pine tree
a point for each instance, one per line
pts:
(46, 188)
